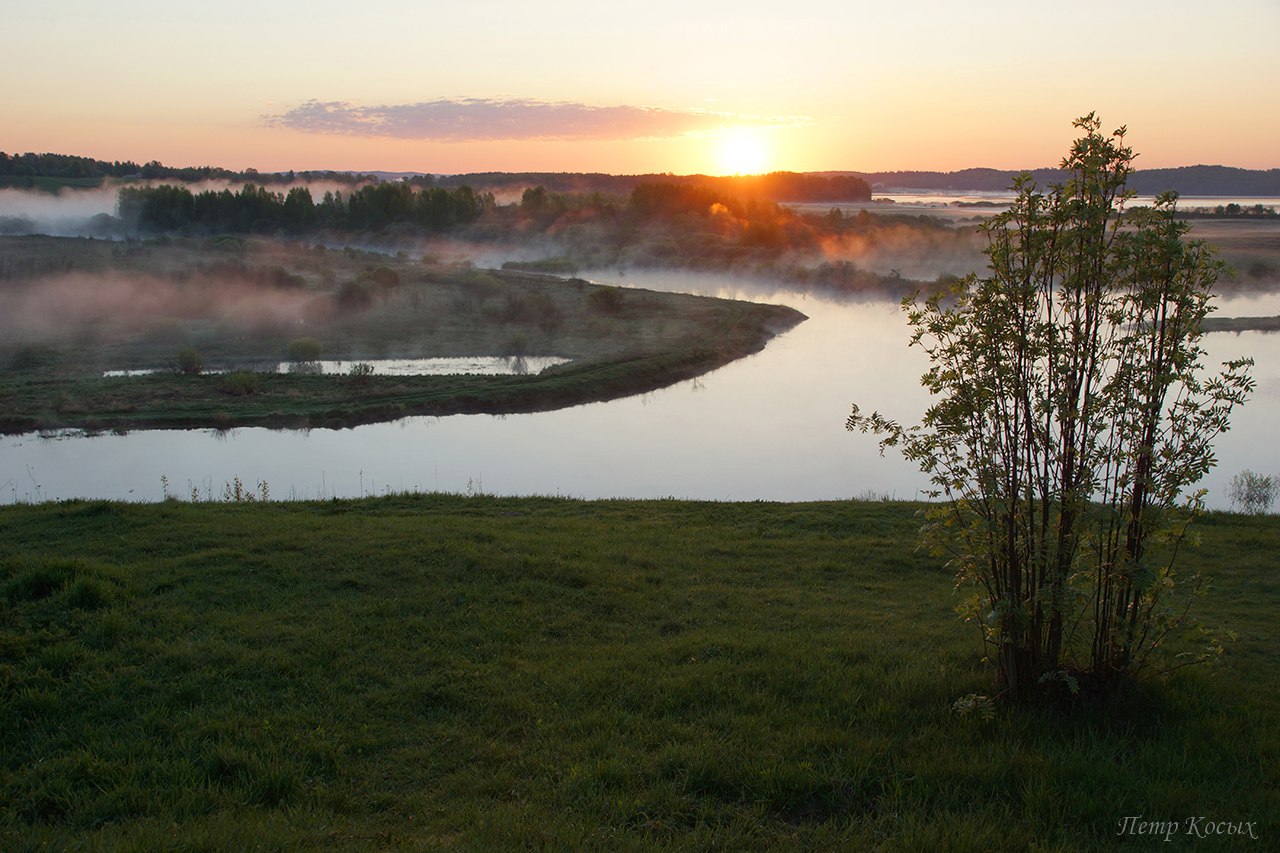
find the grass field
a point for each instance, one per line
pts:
(451, 672)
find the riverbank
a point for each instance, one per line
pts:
(76, 309)
(171, 400)
(1242, 324)
(438, 671)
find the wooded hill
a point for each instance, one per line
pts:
(1186, 180)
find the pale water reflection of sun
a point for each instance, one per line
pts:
(742, 151)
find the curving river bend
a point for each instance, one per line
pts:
(768, 427)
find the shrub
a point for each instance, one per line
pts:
(304, 349)
(360, 373)
(1252, 493)
(517, 346)
(606, 300)
(241, 383)
(189, 362)
(353, 296)
(1072, 421)
(383, 277)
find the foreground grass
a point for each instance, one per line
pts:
(435, 672)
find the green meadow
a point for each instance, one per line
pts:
(433, 672)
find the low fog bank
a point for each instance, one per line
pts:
(909, 251)
(81, 308)
(79, 212)
(844, 252)
(67, 213)
(877, 256)
(154, 298)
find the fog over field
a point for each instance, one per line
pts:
(77, 212)
(106, 308)
(67, 213)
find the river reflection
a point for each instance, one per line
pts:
(768, 427)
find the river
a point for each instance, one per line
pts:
(767, 427)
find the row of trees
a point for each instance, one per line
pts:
(255, 209)
(775, 186)
(31, 165)
(1253, 211)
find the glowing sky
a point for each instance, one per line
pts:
(622, 87)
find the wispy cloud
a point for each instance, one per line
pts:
(478, 119)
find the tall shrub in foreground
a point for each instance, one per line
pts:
(1072, 418)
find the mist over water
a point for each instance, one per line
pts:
(768, 427)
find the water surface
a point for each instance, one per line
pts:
(767, 427)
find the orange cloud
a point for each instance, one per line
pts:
(478, 119)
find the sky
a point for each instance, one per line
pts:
(638, 87)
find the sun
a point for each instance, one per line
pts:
(742, 151)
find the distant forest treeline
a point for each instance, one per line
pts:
(1186, 180)
(47, 171)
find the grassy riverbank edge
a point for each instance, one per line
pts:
(451, 672)
(298, 400)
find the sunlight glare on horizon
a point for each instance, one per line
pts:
(743, 151)
(740, 88)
